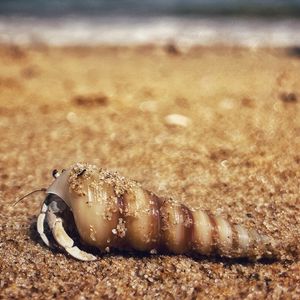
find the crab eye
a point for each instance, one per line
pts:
(55, 173)
(81, 172)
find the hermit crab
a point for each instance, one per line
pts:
(108, 211)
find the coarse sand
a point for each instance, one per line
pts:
(217, 128)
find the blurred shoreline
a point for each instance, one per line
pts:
(183, 31)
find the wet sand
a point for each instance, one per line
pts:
(236, 153)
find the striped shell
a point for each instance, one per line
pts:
(111, 211)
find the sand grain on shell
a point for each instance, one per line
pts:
(239, 156)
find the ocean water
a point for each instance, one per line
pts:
(48, 8)
(250, 23)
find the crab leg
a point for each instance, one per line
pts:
(60, 235)
(40, 224)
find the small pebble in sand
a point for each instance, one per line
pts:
(288, 97)
(148, 106)
(172, 49)
(177, 120)
(72, 117)
(227, 103)
(91, 100)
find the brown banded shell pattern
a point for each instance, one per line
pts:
(111, 211)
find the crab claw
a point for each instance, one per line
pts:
(50, 213)
(64, 240)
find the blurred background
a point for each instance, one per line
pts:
(248, 23)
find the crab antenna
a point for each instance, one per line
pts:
(29, 194)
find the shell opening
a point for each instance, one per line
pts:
(60, 187)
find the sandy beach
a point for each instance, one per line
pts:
(234, 150)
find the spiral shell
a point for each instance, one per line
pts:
(111, 211)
